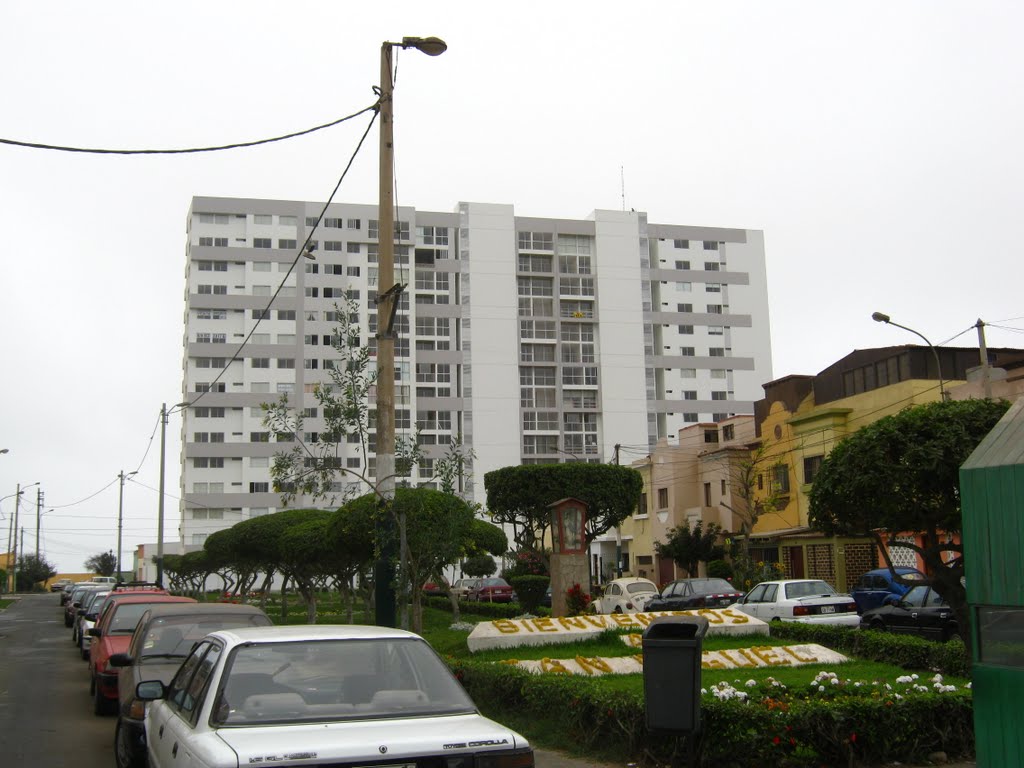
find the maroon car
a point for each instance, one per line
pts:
(493, 590)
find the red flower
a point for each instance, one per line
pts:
(776, 740)
(792, 742)
(853, 737)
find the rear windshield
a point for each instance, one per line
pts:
(809, 589)
(173, 636)
(316, 680)
(641, 586)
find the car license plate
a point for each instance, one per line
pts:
(828, 609)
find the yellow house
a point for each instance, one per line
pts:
(801, 419)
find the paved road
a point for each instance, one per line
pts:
(46, 714)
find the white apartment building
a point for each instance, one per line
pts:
(537, 340)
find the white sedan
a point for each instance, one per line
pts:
(809, 601)
(308, 695)
(625, 595)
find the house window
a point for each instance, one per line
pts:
(780, 478)
(707, 494)
(686, 330)
(687, 351)
(663, 498)
(681, 243)
(287, 244)
(261, 242)
(642, 507)
(811, 466)
(728, 432)
(710, 245)
(259, 487)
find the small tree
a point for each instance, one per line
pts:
(520, 497)
(479, 566)
(750, 503)
(102, 564)
(688, 547)
(33, 570)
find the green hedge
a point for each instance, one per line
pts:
(868, 726)
(487, 610)
(906, 651)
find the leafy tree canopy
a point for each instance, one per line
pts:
(901, 474)
(519, 496)
(102, 564)
(689, 547)
(32, 570)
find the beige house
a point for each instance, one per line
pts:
(685, 481)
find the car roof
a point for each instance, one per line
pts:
(311, 632)
(193, 609)
(631, 580)
(134, 599)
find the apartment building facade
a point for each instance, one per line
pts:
(532, 340)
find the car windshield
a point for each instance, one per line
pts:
(493, 583)
(317, 680)
(809, 589)
(641, 586)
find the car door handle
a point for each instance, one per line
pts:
(913, 615)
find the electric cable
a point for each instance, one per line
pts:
(186, 151)
(82, 501)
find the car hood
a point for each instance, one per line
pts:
(369, 740)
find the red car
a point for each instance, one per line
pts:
(112, 634)
(494, 590)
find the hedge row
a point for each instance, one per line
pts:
(487, 610)
(905, 651)
(874, 727)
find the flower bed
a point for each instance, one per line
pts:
(832, 721)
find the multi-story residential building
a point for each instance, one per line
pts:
(533, 340)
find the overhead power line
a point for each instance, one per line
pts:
(185, 151)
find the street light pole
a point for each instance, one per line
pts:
(881, 317)
(39, 504)
(13, 539)
(388, 296)
(120, 518)
(164, 413)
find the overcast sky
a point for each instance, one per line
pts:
(877, 144)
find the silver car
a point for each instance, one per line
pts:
(311, 695)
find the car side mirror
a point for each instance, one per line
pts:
(95, 632)
(150, 690)
(120, 660)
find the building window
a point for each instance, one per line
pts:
(716, 351)
(713, 288)
(259, 362)
(536, 241)
(707, 494)
(684, 307)
(287, 244)
(811, 466)
(689, 394)
(663, 498)
(681, 243)
(687, 351)
(711, 266)
(719, 395)
(686, 330)
(261, 242)
(780, 478)
(259, 487)
(728, 432)
(710, 245)
(286, 314)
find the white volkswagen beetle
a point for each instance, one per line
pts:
(626, 595)
(308, 695)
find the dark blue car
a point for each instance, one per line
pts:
(876, 586)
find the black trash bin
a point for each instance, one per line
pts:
(672, 655)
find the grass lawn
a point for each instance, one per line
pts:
(4, 603)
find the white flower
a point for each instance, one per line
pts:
(835, 681)
(967, 686)
(703, 691)
(905, 679)
(821, 689)
(937, 679)
(750, 683)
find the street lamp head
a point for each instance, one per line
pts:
(432, 46)
(5, 450)
(880, 317)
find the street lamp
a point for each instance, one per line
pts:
(881, 317)
(388, 294)
(164, 413)
(120, 518)
(12, 533)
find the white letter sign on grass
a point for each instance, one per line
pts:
(736, 658)
(512, 633)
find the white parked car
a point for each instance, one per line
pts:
(462, 587)
(810, 601)
(320, 695)
(626, 595)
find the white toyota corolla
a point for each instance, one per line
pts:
(326, 696)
